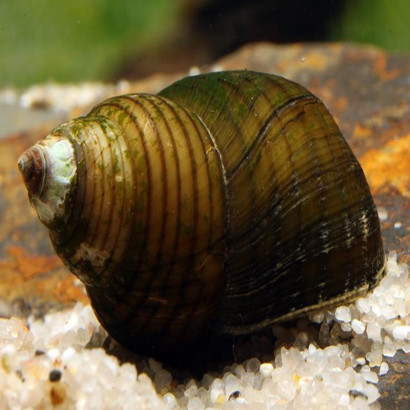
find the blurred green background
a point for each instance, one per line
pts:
(80, 40)
(76, 40)
(385, 23)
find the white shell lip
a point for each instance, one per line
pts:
(60, 174)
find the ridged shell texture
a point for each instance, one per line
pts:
(223, 204)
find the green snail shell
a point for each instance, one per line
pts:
(225, 203)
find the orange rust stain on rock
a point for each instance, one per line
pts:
(360, 131)
(340, 103)
(381, 70)
(389, 165)
(67, 291)
(326, 94)
(30, 265)
(318, 60)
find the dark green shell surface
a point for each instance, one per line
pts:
(302, 227)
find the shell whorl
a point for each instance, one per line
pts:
(299, 204)
(228, 201)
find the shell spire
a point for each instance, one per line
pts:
(49, 173)
(32, 168)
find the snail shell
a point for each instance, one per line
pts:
(225, 203)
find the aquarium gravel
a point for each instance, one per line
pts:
(59, 362)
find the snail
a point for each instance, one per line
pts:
(225, 203)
